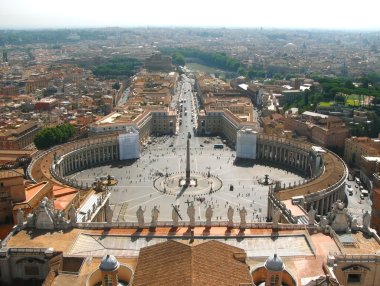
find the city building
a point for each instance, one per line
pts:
(33, 195)
(159, 120)
(46, 104)
(324, 130)
(356, 147)
(18, 136)
(375, 218)
(86, 255)
(36, 82)
(289, 96)
(159, 62)
(12, 190)
(221, 122)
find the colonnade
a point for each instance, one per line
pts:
(322, 201)
(87, 157)
(283, 154)
(304, 159)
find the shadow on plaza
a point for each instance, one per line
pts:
(180, 193)
(285, 167)
(246, 163)
(123, 163)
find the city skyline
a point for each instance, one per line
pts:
(294, 14)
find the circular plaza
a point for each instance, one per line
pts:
(217, 179)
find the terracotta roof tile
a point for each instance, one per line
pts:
(174, 263)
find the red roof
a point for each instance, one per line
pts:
(62, 202)
(59, 191)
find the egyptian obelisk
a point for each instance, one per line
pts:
(188, 163)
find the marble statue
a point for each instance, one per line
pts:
(45, 216)
(209, 213)
(175, 216)
(324, 222)
(340, 217)
(243, 215)
(155, 213)
(230, 216)
(140, 217)
(276, 216)
(72, 214)
(311, 215)
(31, 220)
(50, 205)
(109, 213)
(20, 217)
(99, 186)
(60, 219)
(354, 224)
(191, 214)
(366, 221)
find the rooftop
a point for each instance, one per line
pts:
(210, 263)
(5, 174)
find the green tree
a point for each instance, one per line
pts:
(51, 136)
(116, 85)
(178, 59)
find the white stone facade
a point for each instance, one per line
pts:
(129, 146)
(246, 144)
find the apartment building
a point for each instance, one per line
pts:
(153, 120)
(324, 130)
(222, 122)
(18, 136)
(356, 147)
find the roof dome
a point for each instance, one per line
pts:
(274, 263)
(290, 45)
(109, 263)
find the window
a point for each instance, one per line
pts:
(354, 278)
(107, 280)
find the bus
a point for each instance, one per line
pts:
(218, 146)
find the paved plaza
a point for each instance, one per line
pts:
(136, 178)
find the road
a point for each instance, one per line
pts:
(355, 205)
(187, 114)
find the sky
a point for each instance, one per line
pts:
(295, 14)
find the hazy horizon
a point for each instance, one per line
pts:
(294, 14)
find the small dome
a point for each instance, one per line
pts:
(109, 263)
(274, 263)
(290, 45)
